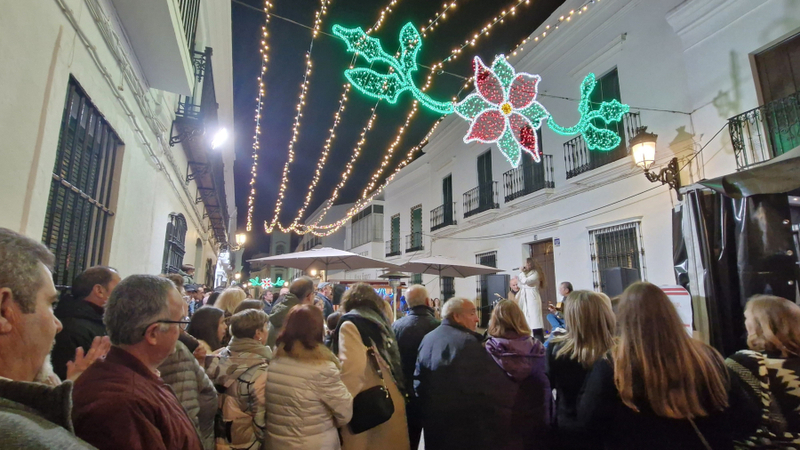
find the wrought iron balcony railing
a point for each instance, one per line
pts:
(414, 242)
(529, 178)
(393, 247)
(765, 132)
(190, 11)
(443, 216)
(481, 198)
(579, 159)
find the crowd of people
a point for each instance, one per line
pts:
(153, 362)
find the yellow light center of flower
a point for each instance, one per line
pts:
(506, 108)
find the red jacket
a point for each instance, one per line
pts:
(119, 403)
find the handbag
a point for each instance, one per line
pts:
(372, 406)
(700, 435)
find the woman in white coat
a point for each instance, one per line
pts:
(306, 398)
(531, 280)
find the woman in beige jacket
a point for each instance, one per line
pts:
(365, 325)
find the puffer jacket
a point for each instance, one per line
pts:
(239, 371)
(306, 400)
(194, 390)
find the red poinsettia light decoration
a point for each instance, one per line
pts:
(504, 110)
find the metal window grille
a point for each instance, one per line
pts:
(209, 273)
(616, 246)
(416, 278)
(448, 288)
(174, 247)
(190, 12)
(76, 226)
(485, 259)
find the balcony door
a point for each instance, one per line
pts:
(485, 181)
(447, 198)
(779, 80)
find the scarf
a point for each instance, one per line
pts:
(374, 329)
(248, 345)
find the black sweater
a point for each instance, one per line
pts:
(619, 427)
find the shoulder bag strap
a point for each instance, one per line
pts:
(372, 357)
(700, 435)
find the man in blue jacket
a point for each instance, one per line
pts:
(457, 383)
(409, 331)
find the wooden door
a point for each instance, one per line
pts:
(542, 253)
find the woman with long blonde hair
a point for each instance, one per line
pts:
(524, 405)
(570, 357)
(661, 388)
(529, 299)
(771, 368)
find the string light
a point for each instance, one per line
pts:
(328, 143)
(264, 50)
(296, 126)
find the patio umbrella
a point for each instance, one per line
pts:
(326, 259)
(447, 267)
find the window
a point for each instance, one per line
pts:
(80, 208)
(210, 273)
(416, 279)
(484, 259)
(617, 257)
(393, 244)
(280, 248)
(448, 288)
(779, 79)
(367, 226)
(414, 240)
(174, 248)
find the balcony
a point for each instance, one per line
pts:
(162, 35)
(480, 199)
(529, 178)
(765, 132)
(393, 247)
(443, 216)
(414, 242)
(195, 119)
(579, 159)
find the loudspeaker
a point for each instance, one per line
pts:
(491, 287)
(615, 279)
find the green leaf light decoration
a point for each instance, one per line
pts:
(503, 110)
(388, 86)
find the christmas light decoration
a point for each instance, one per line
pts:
(388, 86)
(505, 111)
(264, 50)
(365, 195)
(267, 283)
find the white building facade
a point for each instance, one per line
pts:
(108, 111)
(685, 67)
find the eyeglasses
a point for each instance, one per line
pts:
(182, 323)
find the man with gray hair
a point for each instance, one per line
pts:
(409, 331)
(456, 382)
(301, 292)
(122, 402)
(32, 414)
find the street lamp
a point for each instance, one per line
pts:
(219, 138)
(643, 151)
(241, 238)
(237, 276)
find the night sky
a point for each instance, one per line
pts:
(288, 44)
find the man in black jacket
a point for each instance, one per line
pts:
(409, 332)
(81, 314)
(457, 383)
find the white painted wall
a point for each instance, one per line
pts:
(43, 43)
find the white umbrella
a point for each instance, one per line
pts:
(326, 259)
(447, 267)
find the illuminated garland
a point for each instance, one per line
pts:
(259, 105)
(296, 126)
